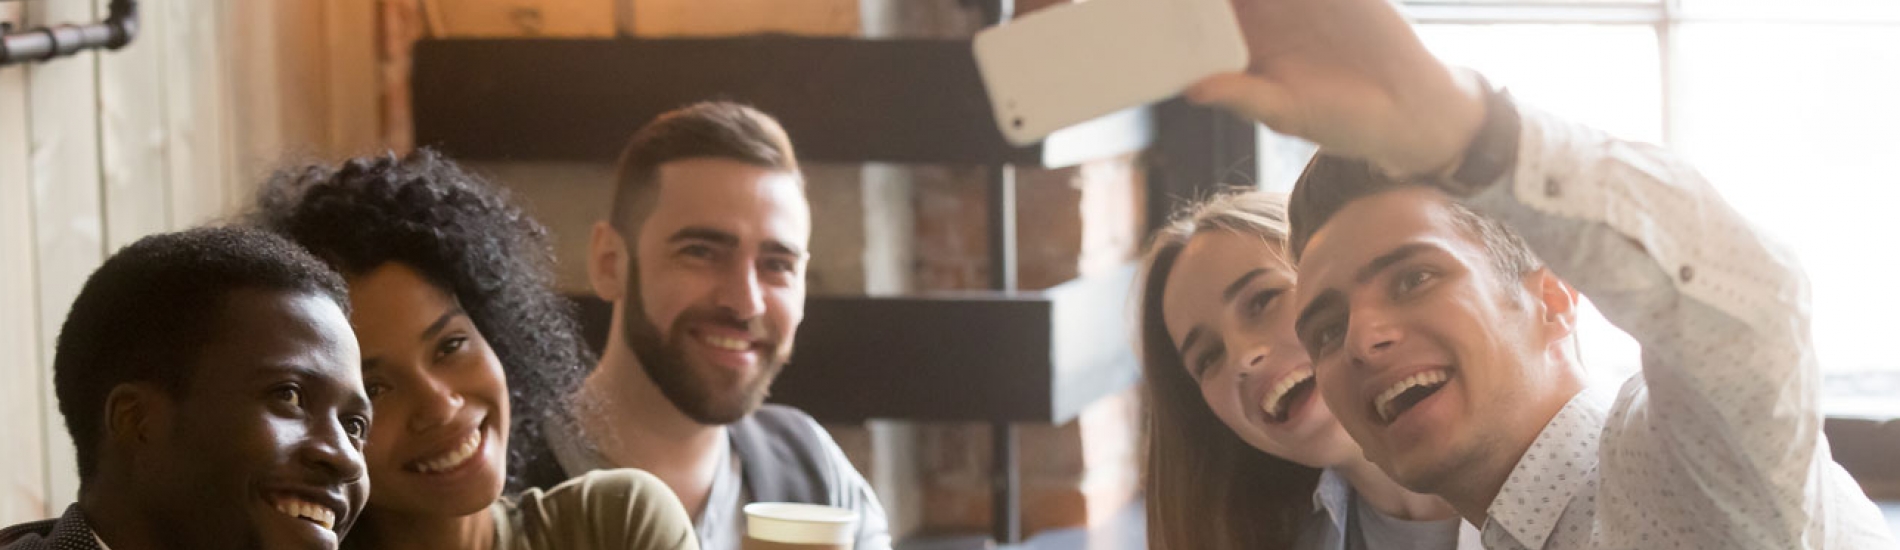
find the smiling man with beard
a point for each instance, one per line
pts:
(704, 260)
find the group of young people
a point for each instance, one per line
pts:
(373, 357)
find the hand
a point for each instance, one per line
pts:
(1351, 76)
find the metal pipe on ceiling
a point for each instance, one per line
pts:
(45, 43)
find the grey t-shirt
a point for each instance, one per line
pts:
(721, 524)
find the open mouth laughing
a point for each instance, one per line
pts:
(1401, 396)
(1284, 398)
(303, 509)
(454, 458)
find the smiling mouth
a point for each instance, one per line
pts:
(305, 510)
(454, 458)
(1407, 393)
(724, 343)
(1285, 395)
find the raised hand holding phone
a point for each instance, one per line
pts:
(1353, 77)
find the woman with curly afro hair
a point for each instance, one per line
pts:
(467, 351)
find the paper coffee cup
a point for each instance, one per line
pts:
(793, 523)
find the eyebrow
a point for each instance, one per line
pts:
(357, 402)
(1240, 283)
(723, 238)
(1326, 300)
(778, 247)
(1386, 260)
(436, 327)
(273, 369)
(429, 333)
(1331, 298)
(696, 233)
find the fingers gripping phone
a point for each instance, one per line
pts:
(1068, 64)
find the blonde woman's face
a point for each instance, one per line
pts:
(1229, 309)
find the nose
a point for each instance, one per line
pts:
(327, 450)
(1373, 333)
(1250, 353)
(740, 293)
(436, 404)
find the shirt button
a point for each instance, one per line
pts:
(1687, 274)
(1552, 188)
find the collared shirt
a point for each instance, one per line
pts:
(1334, 501)
(1717, 444)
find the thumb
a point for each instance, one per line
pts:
(1248, 96)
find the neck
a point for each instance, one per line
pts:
(1384, 494)
(1473, 498)
(117, 520)
(395, 531)
(632, 423)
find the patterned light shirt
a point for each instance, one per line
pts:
(1717, 443)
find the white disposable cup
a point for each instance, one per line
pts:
(793, 523)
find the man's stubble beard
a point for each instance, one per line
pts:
(664, 360)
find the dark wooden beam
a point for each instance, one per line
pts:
(841, 99)
(1197, 152)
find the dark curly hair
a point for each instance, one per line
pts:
(144, 315)
(465, 236)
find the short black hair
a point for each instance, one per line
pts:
(463, 235)
(1329, 183)
(146, 312)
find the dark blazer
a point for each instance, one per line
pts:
(69, 532)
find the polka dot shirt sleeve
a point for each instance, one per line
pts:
(1718, 444)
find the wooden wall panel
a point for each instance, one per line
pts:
(68, 229)
(22, 421)
(198, 116)
(484, 18)
(134, 145)
(355, 104)
(653, 18)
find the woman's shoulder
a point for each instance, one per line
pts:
(620, 508)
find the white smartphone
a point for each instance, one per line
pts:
(1068, 64)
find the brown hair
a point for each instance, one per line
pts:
(1330, 183)
(1208, 489)
(711, 129)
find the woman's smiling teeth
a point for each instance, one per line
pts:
(309, 511)
(1277, 404)
(455, 457)
(728, 344)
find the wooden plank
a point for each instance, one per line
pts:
(355, 109)
(22, 413)
(509, 18)
(197, 112)
(838, 97)
(69, 233)
(133, 139)
(674, 18)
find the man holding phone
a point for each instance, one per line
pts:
(1440, 336)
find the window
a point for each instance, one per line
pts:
(1788, 106)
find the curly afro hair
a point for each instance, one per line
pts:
(464, 235)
